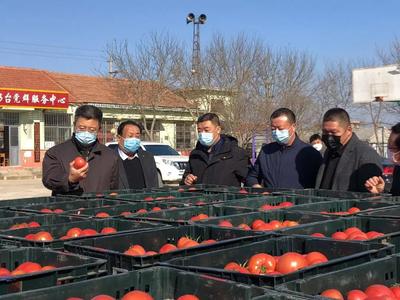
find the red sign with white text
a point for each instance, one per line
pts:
(10, 97)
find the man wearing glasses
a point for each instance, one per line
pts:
(98, 174)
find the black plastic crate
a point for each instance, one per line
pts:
(113, 247)
(6, 213)
(384, 271)
(331, 207)
(183, 215)
(341, 254)
(118, 210)
(280, 215)
(335, 194)
(17, 237)
(389, 213)
(69, 268)
(69, 205)
(213, 198)
(43, 220)
(390, 228)
(161, 283)
(155, 196)
(32, 201)
(274, 200)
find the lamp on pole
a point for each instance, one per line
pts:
(191, 18)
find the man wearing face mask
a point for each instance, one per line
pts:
(287, 162)
(217, 158)
(348, 162)
(101, 170)
(376, 184)
(137, 168)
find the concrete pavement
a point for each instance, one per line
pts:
(25, 188)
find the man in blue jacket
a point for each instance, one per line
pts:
(287, 162)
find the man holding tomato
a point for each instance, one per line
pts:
(81, 164)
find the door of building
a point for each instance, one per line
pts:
(13, 146)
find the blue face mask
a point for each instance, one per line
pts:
(281, 136)
(206, 138)
(85, 137)
(131, 144)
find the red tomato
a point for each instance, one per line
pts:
(150, 253)
(333, 294)
(17, 272)
(356, 295)
(58, 211)
(340, 235)
(257, 223)
(244, 226)
(199, 217)
(350, 230)
(207, 242)
(317, 234)
(31, 237)
(267, 207)
(149, 198)
(167, 248)
(156, 208)
(182, 241)
(379, 290)
(225, 223)
(108, 230)
(242, 270)
(190, 243)
(232, 266)
(102, 215)
(103, 297)
(4, 272)
(357, 236)
(137, 295)
(243, 191)
(188, 297)
(29, 267)
(314, 257)
(289, 223)
(46, 210)
(46, 268)
(396, 291)
(138, 248)
(33, 224)
(43, 236)
(181, 190)
(353, 210)
(65, 237)
(264, 227)
(88, 232)
(200, 203)
(291, 262)
(374, 234)
(74, 232)
(79, 162)
(125, 213)
(275, 224)
(286, 204)
(261, 263)
(141, 211)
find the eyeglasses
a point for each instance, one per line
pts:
(84, 128)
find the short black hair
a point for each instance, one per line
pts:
(209, 117)
(337, 115)
(89, 112)
(128, 122)
(283, 111)
(315, 137)
(396, 130)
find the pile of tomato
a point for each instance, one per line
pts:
(135, 295)
(353, 234)
(44, 236)
(260, 225)
(373, 292)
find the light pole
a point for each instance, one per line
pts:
(191, 18)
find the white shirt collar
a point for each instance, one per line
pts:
(123, 155)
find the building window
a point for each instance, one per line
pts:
(9, 118)
(184, 134)
(57, 127)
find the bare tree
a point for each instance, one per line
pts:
(149, 73)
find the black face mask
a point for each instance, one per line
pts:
(332, 142)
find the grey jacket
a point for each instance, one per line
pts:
(149, 170)
(358, 163)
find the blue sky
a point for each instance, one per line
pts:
(327, 29)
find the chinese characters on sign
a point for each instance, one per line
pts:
(29, 98)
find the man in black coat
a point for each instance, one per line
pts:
(348, 162)
(377, 184)
(99, 174)
(137, 168)
(217, 158)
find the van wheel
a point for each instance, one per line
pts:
(159, 178)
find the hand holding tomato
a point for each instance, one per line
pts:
(78, 169)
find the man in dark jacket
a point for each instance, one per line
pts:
(376, 184)
(137, 168)
(101, 170)
(348, 162)
(287, 162)
(217, 158)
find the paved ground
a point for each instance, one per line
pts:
(12, 189)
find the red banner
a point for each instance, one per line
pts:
(30, 98)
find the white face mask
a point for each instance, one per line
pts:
(392, 156)
(317, 147)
